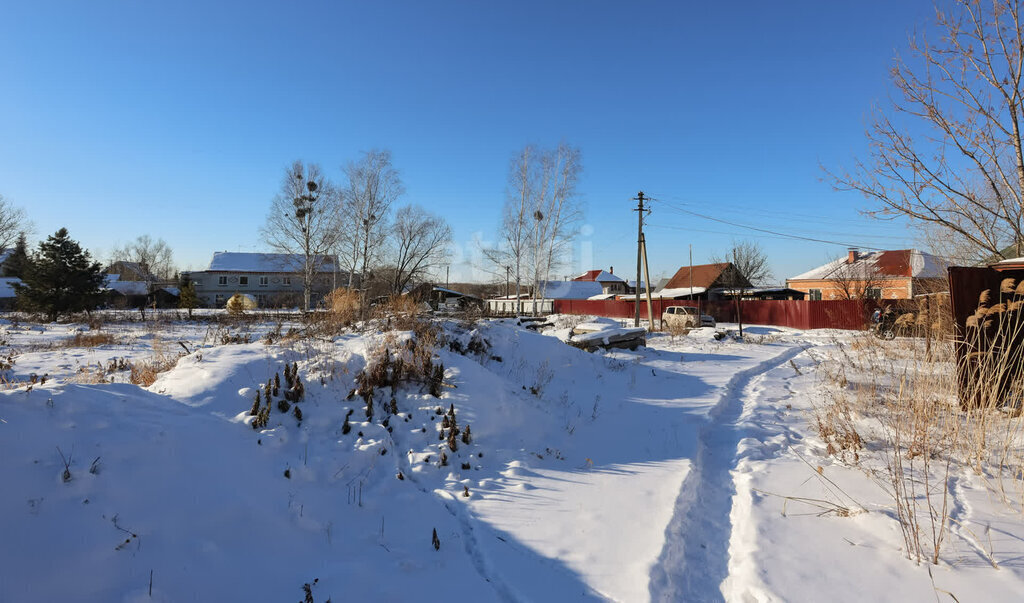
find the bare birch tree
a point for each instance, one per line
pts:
(303, 223)
(365, 207)
(540, 217)
(513, 246)
(947, 152)
(421, 242)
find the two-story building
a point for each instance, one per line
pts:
(274, 279)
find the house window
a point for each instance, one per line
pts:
(814, 294)
(264, 281)
(287, 280)
(219, 301)
(243, 280)
(873, 293)
(222, 281)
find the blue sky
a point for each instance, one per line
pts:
(177, 119)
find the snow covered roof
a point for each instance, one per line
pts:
(6, 290)
(679, 292)
(569, 289)
(599, 276)
(894, 263)
(603, 296)
(233, 261)
(129, 287)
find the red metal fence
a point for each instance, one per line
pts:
(831, 314)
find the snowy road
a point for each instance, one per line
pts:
(695, 558)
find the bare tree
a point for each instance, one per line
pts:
(364, 210)
(947, 152)
(12, 223)
(540, 217)
(303, 223)
(748, 267)
(854, 280)
(513, 249)
(560, 212)
(421, 242)
(154, 259)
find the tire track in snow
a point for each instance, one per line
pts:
(694, 560)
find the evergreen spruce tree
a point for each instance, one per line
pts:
(187, 299)
(59, 278)
(18, 260)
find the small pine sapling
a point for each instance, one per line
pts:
(369, 408)
(298, 413)
(277, 382)
(453, 442)
(434, 540)
(346, 427)
(400, 476)
(467, 438)
(441, 435)
(465, 466)
(288, 473)
(444, 422)
(394, 406)
(255, 410)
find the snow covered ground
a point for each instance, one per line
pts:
(686, 470)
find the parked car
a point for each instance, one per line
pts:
(686, 316)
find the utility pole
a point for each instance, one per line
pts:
(647, 278)
(639, 253)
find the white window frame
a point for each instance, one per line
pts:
(222, 281)
(264, 281)
(814, 295)
(286, 281)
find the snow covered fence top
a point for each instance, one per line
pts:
(232, 261)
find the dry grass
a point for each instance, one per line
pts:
(88, 340)
(145, 373)
(398, 312)
(895, 398)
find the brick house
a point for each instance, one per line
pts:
(274, 279)
(894, 274)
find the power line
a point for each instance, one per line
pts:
(783, 235)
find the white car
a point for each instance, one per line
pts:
(686, 316)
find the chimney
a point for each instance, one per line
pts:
(852, 257)
(611, 270)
